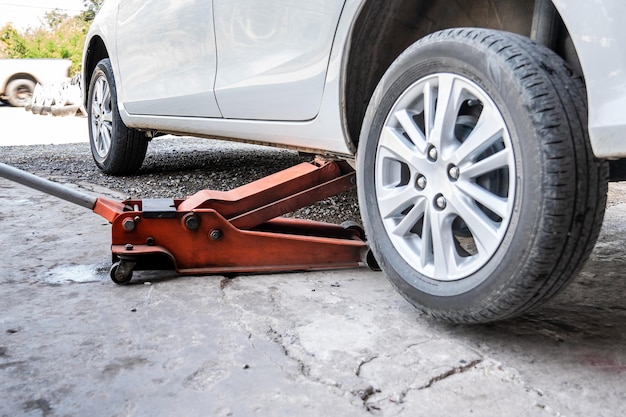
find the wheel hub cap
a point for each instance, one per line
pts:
(101, 117)
(445, 177)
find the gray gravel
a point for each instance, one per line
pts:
(177, 167)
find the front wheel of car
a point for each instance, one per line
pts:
(477, 184)
(116, 149)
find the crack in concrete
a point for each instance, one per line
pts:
(453, 371)
(399, 398)
(304, 370)
(365, 395)
(226, 281)
(364, 362)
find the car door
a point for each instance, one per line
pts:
(273, 56)
(166, 57)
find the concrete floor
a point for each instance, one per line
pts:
(340, 343)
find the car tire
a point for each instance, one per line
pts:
(116, 149)
(19, 92)
(476, 179)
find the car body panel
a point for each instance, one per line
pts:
(599, 35)
(290, 108)
(167, 58)
(273, 57)
(326, 133)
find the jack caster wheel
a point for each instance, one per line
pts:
(355, 228)
(122, 272)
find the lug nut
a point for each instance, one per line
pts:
(454, 172)
(432, 153)
(441, 202)
(421, 182)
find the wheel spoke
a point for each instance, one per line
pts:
(441, 233)
(106, 99)
(393, 202)
(415, 134)
(429, 108)
(404, 227)
(483, 229)
(426, 243)
(493, 202)
(448, 102)
(99, 93)
(487, 131)
(491, 163)
(108, 117)
(398, 146)
(105, 138)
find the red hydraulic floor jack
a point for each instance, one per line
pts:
(237, 231)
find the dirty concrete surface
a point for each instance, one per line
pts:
(339, 343)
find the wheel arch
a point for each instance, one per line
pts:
(382, 30)
(94, 53)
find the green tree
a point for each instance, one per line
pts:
(54, 18)
(13, 43)
(60, 36)
(91, 8)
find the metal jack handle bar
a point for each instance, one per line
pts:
(49, 187)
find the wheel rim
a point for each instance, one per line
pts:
(445, 177)
(24, 95)
(101, 116)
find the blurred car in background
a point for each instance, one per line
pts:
(477, 128)
(18, 77)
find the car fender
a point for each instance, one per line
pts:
(599, 35)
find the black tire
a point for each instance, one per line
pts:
(116, 149)
(552, 189)
(20, 92)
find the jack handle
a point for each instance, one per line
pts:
(46, 186)
(102, 206)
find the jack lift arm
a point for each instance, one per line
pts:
(237, 231)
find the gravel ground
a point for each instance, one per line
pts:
(177, 167)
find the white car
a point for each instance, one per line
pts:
(479, 152)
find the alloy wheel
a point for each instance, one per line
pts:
(445, 176)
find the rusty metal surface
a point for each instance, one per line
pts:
(215, 232)
(219, 247)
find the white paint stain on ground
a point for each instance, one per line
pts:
(67, 274)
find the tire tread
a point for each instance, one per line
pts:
(573, 183)
(128, 146)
